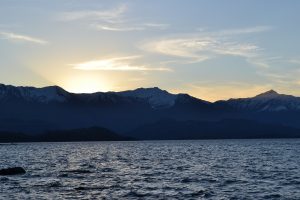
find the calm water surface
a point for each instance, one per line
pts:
(215, 169)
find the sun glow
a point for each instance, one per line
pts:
(87, 84)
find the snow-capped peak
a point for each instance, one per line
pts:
(268, 94)
(267, 101)
(31, 94)
(46, 94)
(156, 97)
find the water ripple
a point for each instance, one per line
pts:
(216, 169)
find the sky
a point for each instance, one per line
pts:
(216, 49)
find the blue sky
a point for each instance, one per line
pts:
(209, 49)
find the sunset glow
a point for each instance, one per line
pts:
(89, 46)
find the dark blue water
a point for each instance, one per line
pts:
(215, 169)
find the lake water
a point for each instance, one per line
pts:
(212, 169)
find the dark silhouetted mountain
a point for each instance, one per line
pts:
(269, 101)
(118, 111)
(30, 94)
(155, 97)
(268, 107)
(35, 111)
(224, 129)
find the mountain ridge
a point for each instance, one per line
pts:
(138, 92)
(155, 97)
(37, 110)
(267, 101)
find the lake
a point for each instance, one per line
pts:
(204, 169)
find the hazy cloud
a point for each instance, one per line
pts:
(117, 28)
(124, 27)
(111, 20)
(249, 30)
(200, 48)
(18, 37)
(104, 15)
(116, 64)
(295, 61)
(264, 61)
(156, 25)
(207, 45)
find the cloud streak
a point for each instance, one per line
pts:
(115, 64)
(22, 38)
(104, 15)
(111, 20)
(249, 30)
(117, 28)
(295, 61)
(206, 45)
(123, 27)
(200, 48)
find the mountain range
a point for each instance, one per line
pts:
(147, 113)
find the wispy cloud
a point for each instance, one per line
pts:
(117, 28)
(125, 27)
(109, 15)
(206, 45)
(249, 30)
(116, 64)
(280, 71)
(263, 61)
(23, 38)
(295, 61)
(200, 48)
(114, 19)
(156, 25)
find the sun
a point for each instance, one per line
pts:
(86, 84)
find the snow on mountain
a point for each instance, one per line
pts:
(267, 101)
(31, 94)
(46, 95)
(270, 101)
(267, 95)
(156, 97)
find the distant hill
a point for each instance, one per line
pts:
(34, 111)
(85, 134)
(224, 129)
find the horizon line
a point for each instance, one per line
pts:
(154, 87)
